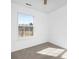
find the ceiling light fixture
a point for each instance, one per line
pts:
(45, 2)
(28, 4)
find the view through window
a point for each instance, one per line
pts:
(25, 25)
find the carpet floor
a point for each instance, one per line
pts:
(31, 53)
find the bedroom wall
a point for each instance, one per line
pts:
(40, 28)
(58, 27)
(47, 27)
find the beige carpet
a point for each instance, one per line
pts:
(35, 52)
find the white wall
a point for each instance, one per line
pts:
(58, 27)
(40, 28)
(47, 27)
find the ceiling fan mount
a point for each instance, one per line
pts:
(45, 2)
(28, 4)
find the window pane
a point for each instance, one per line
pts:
(25, 27)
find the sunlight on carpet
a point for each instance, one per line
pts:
(51, 51)
(64, 55)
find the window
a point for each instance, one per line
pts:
(25, 25)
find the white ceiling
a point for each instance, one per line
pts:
(39, 4)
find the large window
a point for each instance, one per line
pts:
(25, 25)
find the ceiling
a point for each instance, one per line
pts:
(39, 4)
